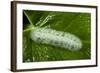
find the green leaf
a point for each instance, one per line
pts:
(78, 24)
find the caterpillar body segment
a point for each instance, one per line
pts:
(56, 38)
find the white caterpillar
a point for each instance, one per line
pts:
(55, 38)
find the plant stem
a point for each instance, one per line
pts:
(29, 29)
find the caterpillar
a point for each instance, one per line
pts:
(56, 38)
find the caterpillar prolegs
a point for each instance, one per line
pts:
(56, 38)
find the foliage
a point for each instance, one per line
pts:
(75, 23)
